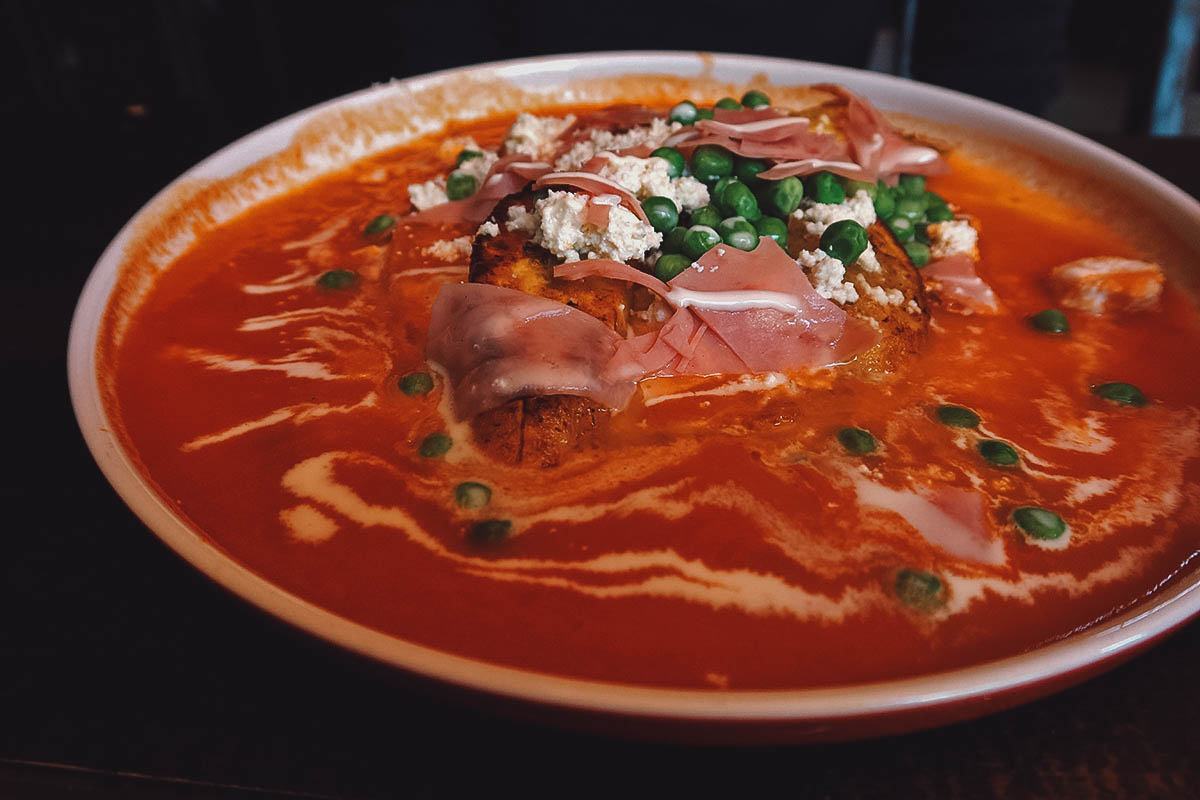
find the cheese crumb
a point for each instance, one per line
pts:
(649, 177)
(519, 219)
(450, 249)
(488, 228)
(951, 238)
(885, 297)
(562, 231)
(827, 275)
(600, 140)
(534, 136)
(428, 194)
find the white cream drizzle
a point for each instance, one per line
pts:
(733, 300)
(298, 414)
(746, 383)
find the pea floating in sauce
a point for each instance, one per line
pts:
(920, 590)
(472, 494)
(378, 225)
(1123, 393)
(957, 417)
(1050, 321)
(1001, 454)
(337, 279)
(856, 440)
(1039, 523)
(490, 531)
(416, 383)
(435, 445)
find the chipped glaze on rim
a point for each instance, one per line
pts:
(828, 713)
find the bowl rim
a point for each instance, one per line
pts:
(1077, 654)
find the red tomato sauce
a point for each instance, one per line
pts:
(709, 541)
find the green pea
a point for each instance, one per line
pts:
(338, 279)
(912, 185)
(854, 187)
(490, 531)
(684, 113)
(673, 241)
(911, 207)
(676, 164)
(718, 191)
(435, 445)
(921, 232)
(781, 198)
(1000, 454)
(755, 99)
(670, 265)
(918, 253)
(737, 232)
(939, 214)
(773, 228)
(1123, 393)
(920, 590)
(1039, 523)
(466, 155)
(856, 441)
(824, 187)
(708, 215)
(416, 383)
(472, 495)
(710, 163)
(1050, 321)
(661, 212)
(460, 185)
(739, 201)
(704, 113)
(957, 417)
(845, 240)
(902, 228)
(934, 200)
(699, 240)
(378, 225)
(727, 103)
(885, 201)
(747, 169)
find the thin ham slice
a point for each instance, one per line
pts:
(811, 332)
(954, 280)
(595, 185)
(496, 344)
(875, 143)
(508, 175)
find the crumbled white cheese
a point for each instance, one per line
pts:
(519, 219)
(886, 297)
(600, 140)
(649, 177)
(535, 136)
(450, 249)
(478, 167)
(951, 238)
(428, 194)
(1106, 283)
(814, 218)
(819, 216)
(827, 276)
(823, 124)
(913, 307)
(488, 228)
(561, 230)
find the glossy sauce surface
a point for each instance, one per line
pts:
(719, 536)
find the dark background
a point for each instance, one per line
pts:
(124, 673)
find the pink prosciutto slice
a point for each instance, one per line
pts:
(959, 287)
(496, 344)
(595, 185)
(739, 312)
(875, 143)
(508, 175)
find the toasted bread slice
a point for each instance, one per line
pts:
(540, 431)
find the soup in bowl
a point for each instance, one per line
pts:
(726, 389)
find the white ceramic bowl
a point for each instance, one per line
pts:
(834, 713)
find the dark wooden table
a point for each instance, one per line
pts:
(126, 674)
